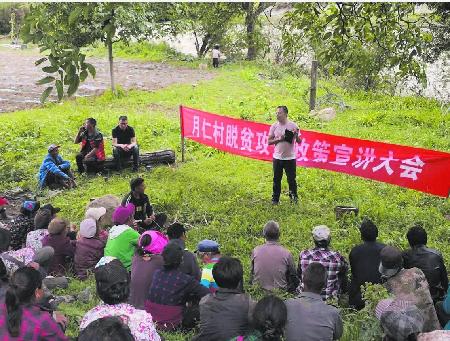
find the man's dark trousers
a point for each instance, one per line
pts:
(290, 168)
(120, 155)
(92, 166)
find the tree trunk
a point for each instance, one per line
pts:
(205, 45)
(250, 21)
(111, 66)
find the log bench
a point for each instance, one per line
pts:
(161, 157)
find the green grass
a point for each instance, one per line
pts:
(144, 51)
(225, 197)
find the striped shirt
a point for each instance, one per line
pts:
(207, 278)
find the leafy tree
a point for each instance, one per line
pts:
(440, 28)
(209, 22)
(363, 38)
(8, 11)
(252, 11)
(62, 29)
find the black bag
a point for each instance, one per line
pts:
(288, 136)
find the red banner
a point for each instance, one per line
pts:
(420, 169)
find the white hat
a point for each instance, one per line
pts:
(321, 232)
(88, 228)
(95, 213)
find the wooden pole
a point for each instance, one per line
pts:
(313, 88)
(181, 133)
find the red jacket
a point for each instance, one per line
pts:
(95, 142)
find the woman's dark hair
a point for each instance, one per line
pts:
(228, 272)
(270, 317)
(145, 240)
(21, 290)
(368, 230)
(114, 294)
(135, 183)
(172, 256)
(3, 272)
(176, 231)
(109, 328)
(112, 282)
(417, 235)
(5, 239)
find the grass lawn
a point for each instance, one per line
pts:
(225, 197)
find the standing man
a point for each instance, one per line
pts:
(216, 56)
(283, 134)
(124, 144)
(54, 171)
(92, 152)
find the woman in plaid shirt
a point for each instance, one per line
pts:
(20, 318)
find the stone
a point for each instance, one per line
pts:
(326, 114)
(110, 202)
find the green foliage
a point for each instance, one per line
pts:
(363, 325)
(227, 198)
(62, 29)
(155, 52)
(11, 16)
(362, 39)
(209, 22)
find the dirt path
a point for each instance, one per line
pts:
(18, 76)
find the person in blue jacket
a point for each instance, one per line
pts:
(54, 171)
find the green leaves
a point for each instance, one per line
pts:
(73, 85)
(45, 80)
(50, 69)
(59, 89)
(40, 61)
(46, 93)
(362, 39)
(91, 69)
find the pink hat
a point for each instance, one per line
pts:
(156, 246)
(122, 213)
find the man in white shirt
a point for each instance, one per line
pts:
(284, 134)
(216, 56)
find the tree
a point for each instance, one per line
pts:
(62, 29)
(11, 15)
(209, 22)
(362, 37)
(252, 11)
(440, 28)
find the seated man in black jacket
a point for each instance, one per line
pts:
(364, 262)
(428, 260)
(144, 217)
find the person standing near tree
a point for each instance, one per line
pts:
(215, 56)
(124, 144)
(92, 152)
(284, 134)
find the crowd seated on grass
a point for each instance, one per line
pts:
(149, 283)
